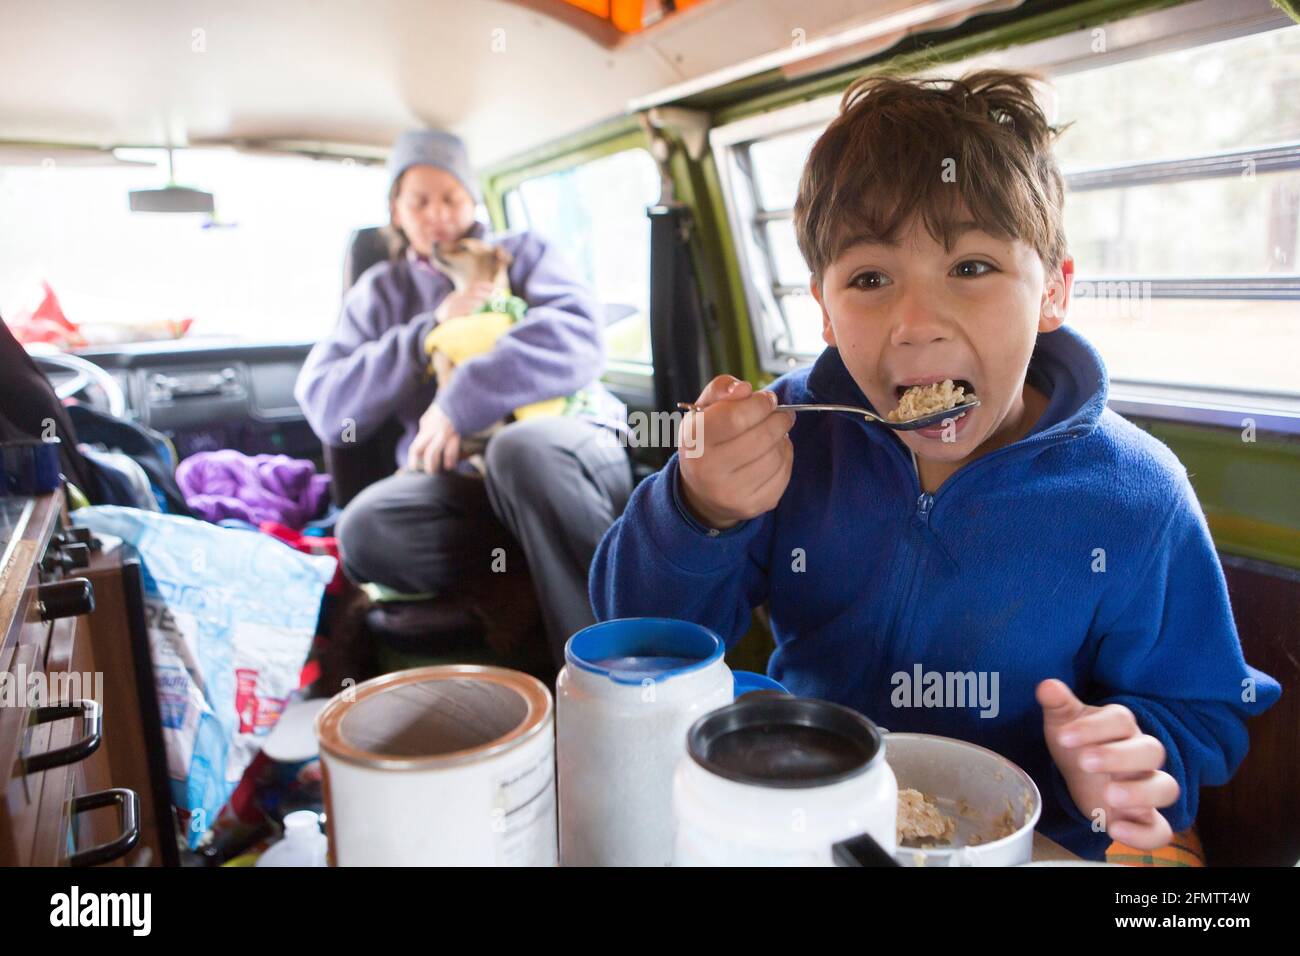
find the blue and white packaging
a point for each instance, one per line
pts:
(231, 615)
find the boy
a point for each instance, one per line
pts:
(1035, 576)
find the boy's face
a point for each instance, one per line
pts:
(915, 313)
(431, 206)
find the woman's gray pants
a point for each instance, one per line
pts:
(554, 485)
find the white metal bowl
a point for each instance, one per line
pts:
(975, 786)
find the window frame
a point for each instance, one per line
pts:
(620, 373)
(1193, 24)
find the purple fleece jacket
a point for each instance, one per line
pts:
(373, 366)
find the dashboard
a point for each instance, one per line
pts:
(210, 396)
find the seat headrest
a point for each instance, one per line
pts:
(365, 248)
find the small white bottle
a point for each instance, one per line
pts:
(303, 843)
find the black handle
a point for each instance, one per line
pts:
(66, 556)
(70, 598)
(128, 802)
(861, 850)
(92, 734)
(78, 536)
(75, 555)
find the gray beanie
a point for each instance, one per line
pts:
(432, 147)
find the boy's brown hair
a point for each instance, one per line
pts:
(883, 160)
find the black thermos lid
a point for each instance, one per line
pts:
(774, 740)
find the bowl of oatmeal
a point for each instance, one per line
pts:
(960, 804)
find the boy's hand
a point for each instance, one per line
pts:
(1108, 762)
(744, 455)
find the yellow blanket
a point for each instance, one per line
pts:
(466, 336)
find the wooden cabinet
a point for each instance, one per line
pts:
(82, 778)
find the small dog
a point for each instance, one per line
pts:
(467, 262)
(458, 338)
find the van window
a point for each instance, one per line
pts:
(267, 266)
(1183, 199)
(596, 213)
(1183, 172)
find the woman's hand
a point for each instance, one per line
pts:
(464, 301)
(1109, 764)
(436, 444)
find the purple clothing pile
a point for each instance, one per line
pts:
(229, 484)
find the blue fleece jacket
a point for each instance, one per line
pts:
(1079, 552)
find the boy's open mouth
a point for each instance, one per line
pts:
(926, 398)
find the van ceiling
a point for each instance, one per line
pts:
(506, 76)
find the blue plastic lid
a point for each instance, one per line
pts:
(745, 681)
(634, 650)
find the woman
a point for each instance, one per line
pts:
(554, 483)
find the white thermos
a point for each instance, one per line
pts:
(774, 780)
(625, 698)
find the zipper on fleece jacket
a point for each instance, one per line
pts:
(927, 502)
(914, 544)
(925, 505)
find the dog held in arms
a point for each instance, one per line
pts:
(454, 340)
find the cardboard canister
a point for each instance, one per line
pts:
(451, 765)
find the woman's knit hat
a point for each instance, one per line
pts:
(432, 147)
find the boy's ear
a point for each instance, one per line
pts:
(1056, 297)
(828, 333)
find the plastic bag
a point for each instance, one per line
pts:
(231, 615)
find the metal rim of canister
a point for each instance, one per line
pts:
(536, 718)
(765, 709)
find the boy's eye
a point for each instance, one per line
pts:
(971, 268)
(869, 280)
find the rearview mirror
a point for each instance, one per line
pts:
(171, 199)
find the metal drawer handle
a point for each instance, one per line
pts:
(92, 734)
(128, 802)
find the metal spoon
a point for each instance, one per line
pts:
(933, 418)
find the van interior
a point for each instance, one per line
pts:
(189, 189)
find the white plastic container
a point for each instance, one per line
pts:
(625, 698)
(303, 843)
(440, 766)
(784, 781)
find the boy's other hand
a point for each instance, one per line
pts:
(742, 453)
(463, 302)
(1109, 763)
